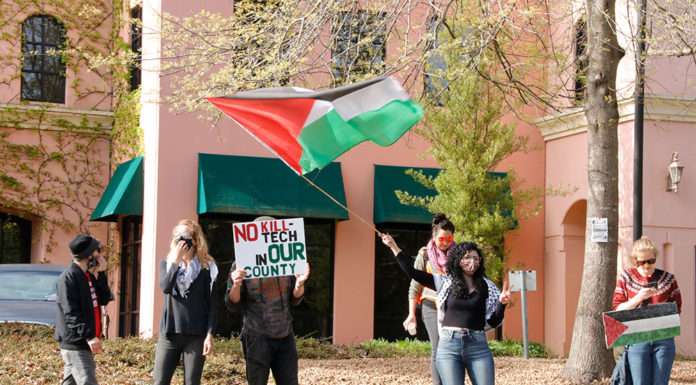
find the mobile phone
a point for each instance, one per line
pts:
(92, 263)
(187, 241)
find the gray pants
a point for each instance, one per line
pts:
(170, 348)
(429, 314)
(79, 367)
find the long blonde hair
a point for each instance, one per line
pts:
(197, 235)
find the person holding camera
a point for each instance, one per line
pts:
(642, 285)
(187, 279)
(82, 289)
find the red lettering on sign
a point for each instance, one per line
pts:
(248, 232)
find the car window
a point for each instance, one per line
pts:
(28, 285)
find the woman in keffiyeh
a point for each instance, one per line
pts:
(467, 301)
(187, 278)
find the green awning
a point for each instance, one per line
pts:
(124, 194)
(229, 184)
(387, 207)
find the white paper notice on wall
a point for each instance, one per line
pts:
(600, 230)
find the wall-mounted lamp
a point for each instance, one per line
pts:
(675, 173)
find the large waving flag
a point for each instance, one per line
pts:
(309, 129)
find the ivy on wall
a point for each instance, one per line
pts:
(56, 159)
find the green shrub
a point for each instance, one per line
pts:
(516, 348)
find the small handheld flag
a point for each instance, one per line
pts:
(308, 129)
(642, 324)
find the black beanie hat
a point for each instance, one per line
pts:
(82, 246)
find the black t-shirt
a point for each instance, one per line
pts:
(468, 312)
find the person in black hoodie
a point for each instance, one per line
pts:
(82, 289)
(189, 311)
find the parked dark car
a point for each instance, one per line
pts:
(28, 293)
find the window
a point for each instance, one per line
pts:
(435, 65)
(358, 46)
(43, 68)
(314, 316)
(15, 239)
(136, 46)
(581, 62)
(391, 284)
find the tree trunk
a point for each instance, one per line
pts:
(589, 358)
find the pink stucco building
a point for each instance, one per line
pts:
(148, 195)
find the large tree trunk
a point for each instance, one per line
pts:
(589, 358)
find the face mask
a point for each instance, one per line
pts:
(469, 266)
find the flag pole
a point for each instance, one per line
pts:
(370, 225)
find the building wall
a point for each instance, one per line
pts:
(526, 243)
(170, 194)
(76, 130)
(564, 237)
(668, 218)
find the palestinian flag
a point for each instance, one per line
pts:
(642, 324)
(308, 129)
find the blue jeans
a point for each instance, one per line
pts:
(459, 352)
(651, 362)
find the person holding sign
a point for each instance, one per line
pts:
(466, 302)
(642, 285)
(268, 342)
(431, 259)
(189, 311)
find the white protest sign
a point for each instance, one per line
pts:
(600, 230)
(270, 248)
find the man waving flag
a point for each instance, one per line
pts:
(308, 129)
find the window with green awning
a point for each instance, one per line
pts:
(123, 194)
(231, 184)
(388, 208)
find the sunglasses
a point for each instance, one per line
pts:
(447, 239)
(648, 261)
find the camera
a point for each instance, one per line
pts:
(187, 241)
(92, 263)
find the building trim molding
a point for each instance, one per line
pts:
(93, 120)
(658, 108)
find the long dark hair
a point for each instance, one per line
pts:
(454, 270)
(441, 222)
